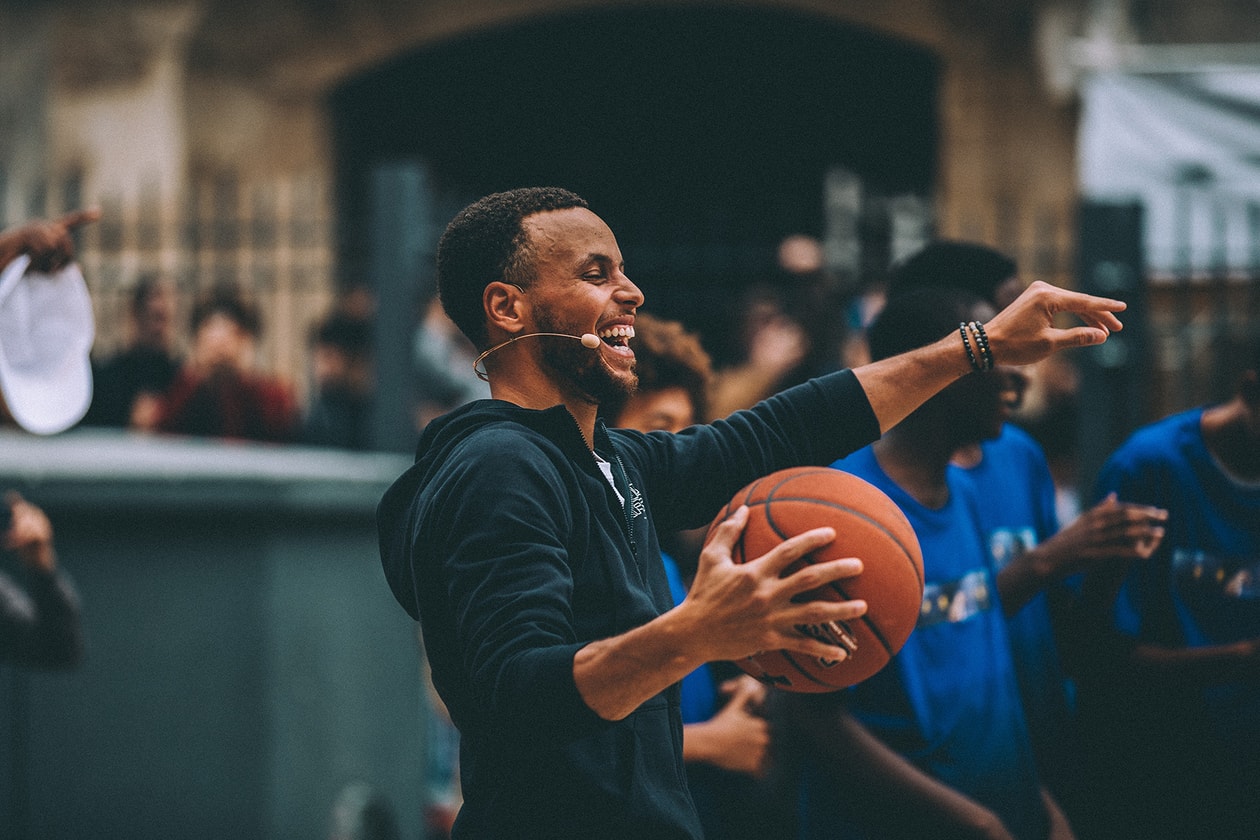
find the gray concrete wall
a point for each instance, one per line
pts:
(245, 659)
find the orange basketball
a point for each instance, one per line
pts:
(868, 526)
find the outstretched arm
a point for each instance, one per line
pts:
(731, 611)
(1022, 333)
(47, 241)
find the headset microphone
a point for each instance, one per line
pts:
(589, 341)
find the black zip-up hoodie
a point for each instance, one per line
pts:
(508, 544)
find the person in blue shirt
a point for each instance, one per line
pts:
(1176, 707)
(1022, 534)
(936, 744)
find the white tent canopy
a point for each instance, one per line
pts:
(1187, 146)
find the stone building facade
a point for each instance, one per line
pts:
(213, 131)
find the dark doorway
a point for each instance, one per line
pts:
(702, 135)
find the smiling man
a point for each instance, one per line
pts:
(524, 537)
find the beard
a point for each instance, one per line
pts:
(579, 369)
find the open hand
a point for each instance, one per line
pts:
(747, 607)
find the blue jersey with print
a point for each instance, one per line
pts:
(1016, 508)
(699, 696)
(1201, 586)
(949, 701)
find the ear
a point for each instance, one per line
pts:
(506, 308)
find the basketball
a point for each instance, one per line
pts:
(868, 526)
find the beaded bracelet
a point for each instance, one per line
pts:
(971, 356)
(982, 340)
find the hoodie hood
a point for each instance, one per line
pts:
(396, 514)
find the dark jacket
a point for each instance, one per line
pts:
(509, 545)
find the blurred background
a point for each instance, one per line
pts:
(245, 664)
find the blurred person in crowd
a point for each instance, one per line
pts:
(443, 359)
(339, 413)
(937, 743)
(1172, 697)
(1019, 521)
(218, 392)
(524, 538)
(726, 738)
(772, 345)
(815, 300)
(128, 386)
(39, 621)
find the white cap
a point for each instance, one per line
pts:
(46, 332)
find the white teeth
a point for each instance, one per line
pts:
(617, 332)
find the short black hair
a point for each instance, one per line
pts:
(147, 285)
(351, 335)
(948, 263)
(485, 242)
(918, 317)
(230, 301)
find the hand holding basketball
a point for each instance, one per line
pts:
(752, 606)
(777, 512)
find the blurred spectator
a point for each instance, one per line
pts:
(218, 393)
(1172, 695)
(339, 413)
(936, 744)
(443, 358)
(814, 300)
(129, 385)
(39, 623)
(773, 345)
(1021, 531)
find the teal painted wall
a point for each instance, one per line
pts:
(245, 660)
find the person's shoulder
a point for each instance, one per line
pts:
(1016, 439)
(1161, 439)
(493, 434)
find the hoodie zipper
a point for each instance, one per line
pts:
(624, 476)
(625, 507)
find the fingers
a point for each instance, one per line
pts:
(745, 694)
(725, 536)
(77, 218)
(783, 555)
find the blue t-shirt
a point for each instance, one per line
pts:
(1202, 587)
(699, 696)
(949, 701)
(1016, 495)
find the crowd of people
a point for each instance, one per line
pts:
(1094, 675)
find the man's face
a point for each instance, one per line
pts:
(667, 409)
(580, 287)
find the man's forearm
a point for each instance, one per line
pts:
(898, 385)
(617, 675)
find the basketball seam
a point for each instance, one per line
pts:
(844, 508)
(870, 625)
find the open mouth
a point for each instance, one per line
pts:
(618, 337)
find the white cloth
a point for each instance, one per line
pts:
(46, 333)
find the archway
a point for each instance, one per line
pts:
(702, 135)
